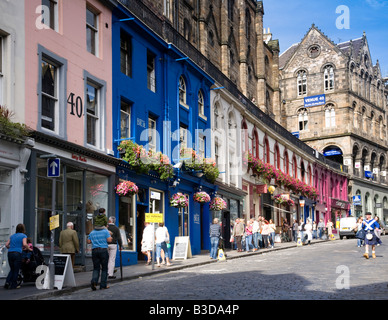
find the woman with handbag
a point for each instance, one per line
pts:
(369, 225)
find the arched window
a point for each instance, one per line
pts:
(255, 144)
(286, 163)
(244, 137)
(301, 82)
(328, 77)
(330, 115)
(302, 119)
(277, 157)
(182, 91)
(266, 151)
(217, 116)
(294, 168)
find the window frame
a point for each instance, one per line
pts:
(301, 79)
(126, 53)
(302, 119)
(127, 115)
(53, 14)
(328, 77)
(151, 71)
(94, 31)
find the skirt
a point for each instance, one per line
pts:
(373, 241)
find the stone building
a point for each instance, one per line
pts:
(334, 99)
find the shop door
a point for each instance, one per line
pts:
(141, 210)
(225, 229)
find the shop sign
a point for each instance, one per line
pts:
(338, 203)
(154, 217)
(261, 188)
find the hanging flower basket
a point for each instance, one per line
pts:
(179, 200)
(201, 197)
(217, 204)
(126, 188)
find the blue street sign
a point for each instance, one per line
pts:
(357, 200)
(313, 101)
(53, 167)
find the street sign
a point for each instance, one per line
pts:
(54, 222)
(53, 167)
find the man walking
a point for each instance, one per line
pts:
(112, 247)
(99, 238)
(68, 241)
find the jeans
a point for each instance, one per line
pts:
(320, 232)
(213, 247)
(272, 238)
(100, 258)
(15, 262)
(295, 235)
(265, 240)
(248, 241)
(159, 247)
(256, 240)
(359, 242)
(315, 234)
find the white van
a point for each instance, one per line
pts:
(347, 227)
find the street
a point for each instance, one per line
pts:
(332, 270)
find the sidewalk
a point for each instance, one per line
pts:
(82, 279)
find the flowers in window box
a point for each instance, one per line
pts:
(290, 202)
(126, 187)
(201, 197)
(179, 200)
(217, 204)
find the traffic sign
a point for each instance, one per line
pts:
(154, 217)
(53, 167)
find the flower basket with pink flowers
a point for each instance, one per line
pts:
(179, 200)
(201, 197)
(218, 204)
(126, 187)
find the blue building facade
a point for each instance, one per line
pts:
(161, 101)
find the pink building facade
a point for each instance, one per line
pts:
(68, 92)
(332, 202)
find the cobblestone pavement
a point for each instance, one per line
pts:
(330, 271)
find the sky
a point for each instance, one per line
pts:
(289, 21)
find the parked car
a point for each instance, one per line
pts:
(347, 226)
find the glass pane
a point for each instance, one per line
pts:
(127, 222)
(48, 78)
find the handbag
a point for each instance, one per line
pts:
(360, 234)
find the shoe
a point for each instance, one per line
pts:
(6, 285)
(169, 264)
(103, 288)
(373, 255)
(93, 286)
(366, 255)
(112, 277)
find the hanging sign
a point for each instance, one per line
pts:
(54, 222)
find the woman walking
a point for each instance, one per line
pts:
(265, 233)
(272, 229)
(16, 243)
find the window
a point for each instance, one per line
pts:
(286, 163)
(127, 218)
(216, 152)
(266, 151)
(125, 120)
(328, 75)
(50, 14)
(91, 32)
(151, 84)
(302, 119)
(92, 114)
(330, 116)
(201, 146)
(201, 106)
(302, 82)
(125, 54)
(230, 9)
(216, 117)
(166, 8)
(182, 137)
(49, 82)
(1, 70)
(152, 134)
(182, 91)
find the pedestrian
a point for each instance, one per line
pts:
(321, 227)
(308, 228)
(272, 232)
(101, 221)
(286, 230)
(255, 234)
(69, 242)
(146, 242)
(214, 233)
(378, 230)
(315, 235)
(238, 232)
(301, 230)
(295, 230)
(265, 233)
(15, 245)
(329, 226)
(369, 225)
(358, 228)
(248, 235)
(112, 247)
(162, 237)
(99, 238)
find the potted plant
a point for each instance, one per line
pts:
(217, 204)
(201, 197)
(179, 200)
(126, 187)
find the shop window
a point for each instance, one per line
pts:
(183, 220)
(127, 222)
(5, 203)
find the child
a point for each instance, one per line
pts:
(26, 254)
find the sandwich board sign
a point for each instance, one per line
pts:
(64, 275)
(182, 248)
